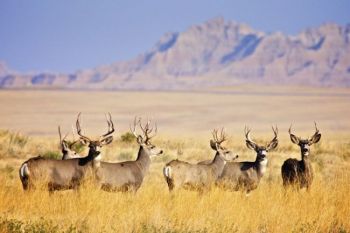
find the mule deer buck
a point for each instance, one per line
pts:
(64, 174)
(246, 175)
(67, 147)
(129, 175)
(200, 177)
(299, 173)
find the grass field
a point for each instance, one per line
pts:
(184, 121)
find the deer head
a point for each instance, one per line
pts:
(215, 144)
(67, 146)
(95, 145)
(261, 150)
(143, 139)
(305, 144)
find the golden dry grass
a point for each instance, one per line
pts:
(184, 121)
(268, 209)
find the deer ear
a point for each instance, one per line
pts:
(315, 139)
(64, 145)
(139, 140)
(107, 140)
(250, 145)
(294, 139)
(272, 145)
(84, 141)
(213, 145)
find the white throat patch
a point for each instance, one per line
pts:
(263, 166)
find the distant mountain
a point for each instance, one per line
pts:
(4, 70)
(216, 53)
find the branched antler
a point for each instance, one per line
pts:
(249, 142)
(247, 135)
(316, 137)
(274, 142)
(147, 130)
(133, 130)
(275, 132)
(59, 133)
(110, 126)
(316, 130)
(79, 129)
(69, 144)
(222, 137)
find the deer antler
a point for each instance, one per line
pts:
(275, 132)
(290, 129)
(274, 142)
(218, 139)
(147, 130)
(222, 137)
(133, 130)
(59, 133)
(249, 142)
(247, 134)
(79, 129)
(316, 137)
(70, 144)
(316, 129)
(74, 141)
(110, 126)
(215, 135)
(293, 138)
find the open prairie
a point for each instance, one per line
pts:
(180, 113)
(29, 122)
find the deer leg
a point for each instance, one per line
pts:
(133, 189)
(170, 183)
(308, 187)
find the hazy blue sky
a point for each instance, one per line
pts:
(66, 35)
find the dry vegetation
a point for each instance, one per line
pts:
(184, 122)
(268, 209)
(39, 112)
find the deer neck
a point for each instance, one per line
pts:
(143, 160)
(90, 158)
(305, 160)
(261, 166)
(218, 164)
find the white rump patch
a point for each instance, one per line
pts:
(24, 170)
(167, 171)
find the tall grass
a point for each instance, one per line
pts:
(270, 208)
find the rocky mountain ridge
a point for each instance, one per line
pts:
(215, 53)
